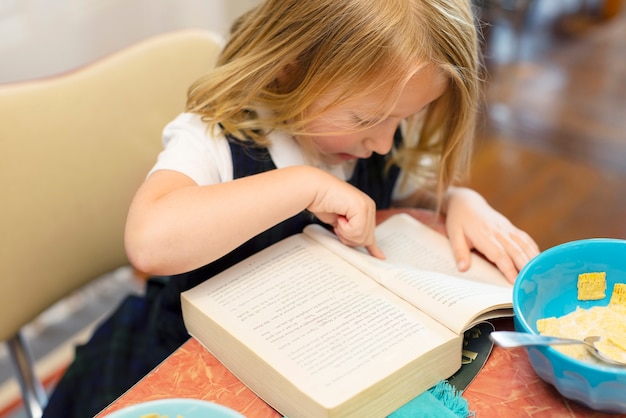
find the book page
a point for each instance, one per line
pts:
(318, 320)
(405, 240)
(421, 269)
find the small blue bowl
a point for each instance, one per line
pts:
(546, 287)
(174, 407)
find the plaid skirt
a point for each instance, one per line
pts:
(139, 335)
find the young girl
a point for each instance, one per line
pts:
(318, 111)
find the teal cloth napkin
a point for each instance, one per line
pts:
(440, 401)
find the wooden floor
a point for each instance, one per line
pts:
(551, 152)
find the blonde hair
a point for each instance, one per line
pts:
(284, 54)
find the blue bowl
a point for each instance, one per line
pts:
(174, 407)
(546, 287)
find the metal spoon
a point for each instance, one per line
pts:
(510, 339)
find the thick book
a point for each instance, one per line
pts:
(318, 329)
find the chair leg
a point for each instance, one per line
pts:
(33, 392)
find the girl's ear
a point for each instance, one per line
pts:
(287, 78)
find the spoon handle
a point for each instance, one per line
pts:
(510, 339)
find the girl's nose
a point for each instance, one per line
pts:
(380, 141)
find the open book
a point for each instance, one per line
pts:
(319, 329)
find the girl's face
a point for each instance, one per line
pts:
(351, 143)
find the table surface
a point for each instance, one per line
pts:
(507, 386)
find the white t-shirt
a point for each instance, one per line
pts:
(205, 157)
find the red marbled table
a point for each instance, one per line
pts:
(506, 387)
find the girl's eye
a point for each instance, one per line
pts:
(364, 122)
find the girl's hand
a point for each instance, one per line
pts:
(351, 212)
(472, 224)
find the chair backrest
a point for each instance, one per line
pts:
(73, 150)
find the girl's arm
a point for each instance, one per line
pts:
(175, 226)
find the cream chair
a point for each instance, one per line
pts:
(73, 150)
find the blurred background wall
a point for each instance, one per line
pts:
(45, 37)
